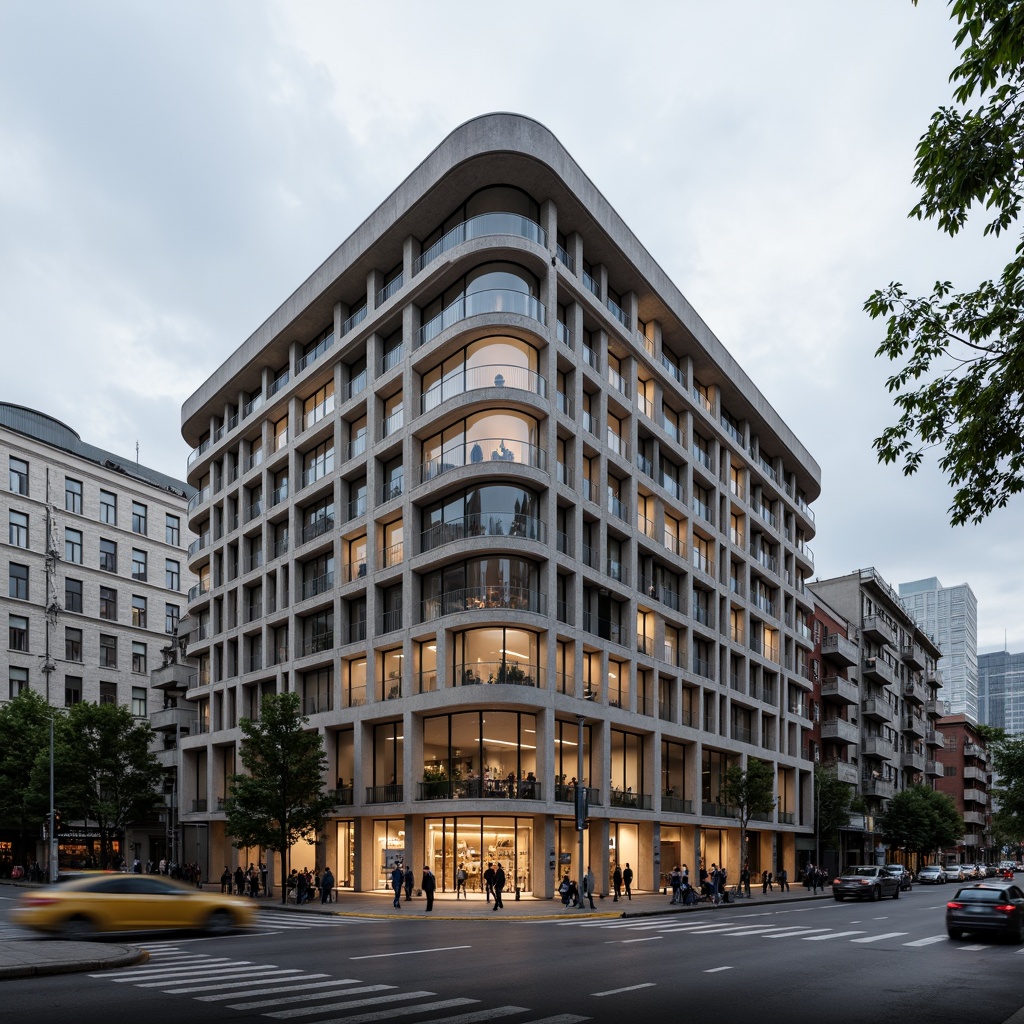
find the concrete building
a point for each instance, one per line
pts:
(96, 562)
(1001, 691)
(483, 477)
(966, 774)
(893, 701)
(949, 615)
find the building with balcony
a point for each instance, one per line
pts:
(949, 615)
(966, 776)
(1001, 691)
(891, 688)
(482, 487)
(96, 564)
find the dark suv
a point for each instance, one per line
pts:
(865, 882)
(902, 875)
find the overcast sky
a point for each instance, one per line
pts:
(170, 172)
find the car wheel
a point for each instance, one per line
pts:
(876, 894)
(78, 928)
(896, 894)
(837, 897)
(220, 922)
(955, 933)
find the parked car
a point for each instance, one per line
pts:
(986, 907)
(932, 874)
(960, 872)
(127, 903)
(865, 882)
(902, 874)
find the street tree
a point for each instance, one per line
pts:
(961, 377)
(751, 792)
(280, 798)
(832, 802)
(922, 820)
(24, 764)
(106, 772)
(1008, 763)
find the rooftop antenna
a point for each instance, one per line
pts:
(136, 452)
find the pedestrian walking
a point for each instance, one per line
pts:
(811, 878)
(764, 881)
(428, 885)
(675, 880)
(489, 880)
(684, 878)
(564, 888)
(588, 886)
(397, 880)
(408, 880)
(617, 883)
(627, 880)
(225, 880)
(783, 880)
(745, 880)
(499, 884)
(327, 887)
(460, 882)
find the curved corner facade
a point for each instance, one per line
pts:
(483, 487)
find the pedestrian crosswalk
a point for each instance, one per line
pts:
(699, 925)
(285, 994)
(289, 920)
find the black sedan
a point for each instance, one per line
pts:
(988, 908)
(865, 882)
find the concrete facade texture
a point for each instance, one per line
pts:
(486, 476)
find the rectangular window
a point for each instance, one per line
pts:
(108, 693)
(172, 531)
(72, 644)
(172, 613)
(17, 681)
(139, 611)
(72, 690)
(139, 701)
(73, 596)
(108, 508)
(19, 476)
(17, 632)
(108, 555)
(108, 603)
(138, 657)
(17, 582)
(73, 546)
(17, 530)
(138, 564)
(139, 515)
(73, 496)
(108, 651)
(172, 574)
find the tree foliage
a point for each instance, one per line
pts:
(280, 798)
(922, 820)
(24, 765)
(832, 799)
(750, 791)
(107, 773)
(960, 382)
(1008, 763)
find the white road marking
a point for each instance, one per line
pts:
(409, 952)
(971, 949)
(878, 938)
(274, 991)
(404, 1011)
(833, 935)
(170, 987)
(630, 988)
(928, 941)
(646, 938)
(348, 1004)
(715, 970)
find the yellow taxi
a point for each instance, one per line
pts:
(88, 904)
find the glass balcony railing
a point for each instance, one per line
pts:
(477, 227)
(472, 378)
(491, 524)
(501, 450)
(489, 300)
(390, 289)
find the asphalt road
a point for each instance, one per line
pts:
(813, 961)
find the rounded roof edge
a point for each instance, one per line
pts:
(27, 415)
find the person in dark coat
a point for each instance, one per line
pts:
(239, 881)
(617, 883)
(499, 884)
(225, 880)
(397, 878)
(428, 885)
(327, 886)
(489, 880)
(408, 880)
(627, 880)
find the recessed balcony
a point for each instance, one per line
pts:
(486, 301)
(479, 227)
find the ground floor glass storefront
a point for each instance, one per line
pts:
(474, 842)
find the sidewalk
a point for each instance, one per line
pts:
(42, 956)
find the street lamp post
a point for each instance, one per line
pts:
(54, 850)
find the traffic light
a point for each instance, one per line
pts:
(56, 820)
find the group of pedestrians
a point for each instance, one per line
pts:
(814, 877)
(403, 880)
(622, 878)
(248, 882)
